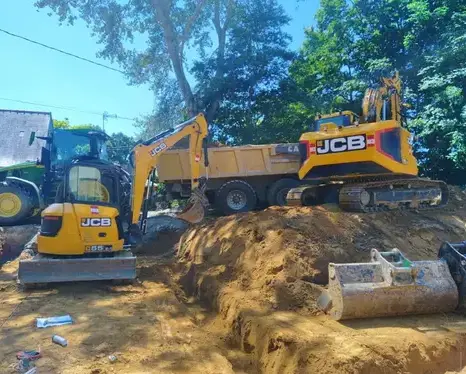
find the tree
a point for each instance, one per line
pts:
(61, 124)
(119, 146)
(219, 31)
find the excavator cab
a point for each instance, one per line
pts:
(82, 235)
(335, 120)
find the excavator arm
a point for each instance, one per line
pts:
(374, 105)
(145, 158)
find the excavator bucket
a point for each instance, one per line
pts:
(389, 285)
(44, 269)
(194, 211)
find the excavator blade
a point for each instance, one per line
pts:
(194, 211)
(389, 285)
(45, 269)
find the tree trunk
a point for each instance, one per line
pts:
(162, 14)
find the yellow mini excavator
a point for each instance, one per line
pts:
(101, 211)
(364, 163)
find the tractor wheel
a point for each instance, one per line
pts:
(16, 204)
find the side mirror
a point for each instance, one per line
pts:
(32, 137)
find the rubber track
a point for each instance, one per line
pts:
(351, 202)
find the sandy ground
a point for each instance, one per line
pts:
(240, 297)
(149, 326)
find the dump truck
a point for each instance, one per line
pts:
(238, 178)
(361, 163)
(32, 159)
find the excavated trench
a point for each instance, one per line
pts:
(262, 272)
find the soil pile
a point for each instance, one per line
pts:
(255, 268)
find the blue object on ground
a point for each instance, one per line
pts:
(54, 321)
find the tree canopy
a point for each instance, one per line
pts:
(230, 58)
(239, 45)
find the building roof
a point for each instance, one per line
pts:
(15, 130)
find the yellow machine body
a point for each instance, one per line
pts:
(84, 229)
(364, 164)
(101, 211)
(357, 150)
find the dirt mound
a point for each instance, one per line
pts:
(255, 265)
(283, 253)
(13, 239)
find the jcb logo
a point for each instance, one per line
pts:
(343, 144)
(158, 149)
(96, 222)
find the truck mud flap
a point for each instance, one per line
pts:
(43, 269)
(389, 285)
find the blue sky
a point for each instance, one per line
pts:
(34, 74)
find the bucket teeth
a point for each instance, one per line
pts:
(389, 285)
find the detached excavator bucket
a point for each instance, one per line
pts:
(196, 207)
(389, 285)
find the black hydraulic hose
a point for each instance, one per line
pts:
(206, 153)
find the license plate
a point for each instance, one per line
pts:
(99, 248)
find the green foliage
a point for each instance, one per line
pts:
(240, 43)
(64, 124)
(119, 146)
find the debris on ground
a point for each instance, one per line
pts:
(54, 321)
(60, 340)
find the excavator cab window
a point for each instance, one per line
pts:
(341, 121)
(91, 185)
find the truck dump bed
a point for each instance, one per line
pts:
(231, 162)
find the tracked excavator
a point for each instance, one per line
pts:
(100, 213)
(366, 163)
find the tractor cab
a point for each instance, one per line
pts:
(68, 144)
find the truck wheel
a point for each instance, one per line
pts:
(277, 192)
(15, 204)
(236, 196)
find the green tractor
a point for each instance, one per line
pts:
(33, 157)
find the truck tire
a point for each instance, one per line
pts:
(235, 196)
(16, 204)
(276, 195)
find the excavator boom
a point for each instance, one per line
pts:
(146, 156)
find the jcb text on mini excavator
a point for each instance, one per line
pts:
(100, 214)
(365, 164)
